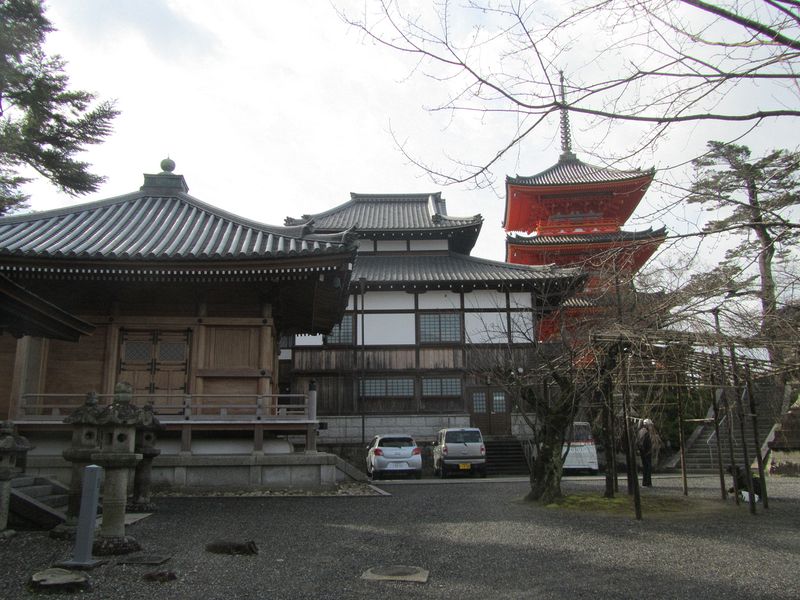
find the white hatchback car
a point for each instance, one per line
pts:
(393, 454)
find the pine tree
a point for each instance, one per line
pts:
(756, 200)
(43, 123)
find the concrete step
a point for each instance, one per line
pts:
(36, 490)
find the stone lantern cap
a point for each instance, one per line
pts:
(10, 441)
(122, 412)
(88, 414)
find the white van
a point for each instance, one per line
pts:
(581, 450)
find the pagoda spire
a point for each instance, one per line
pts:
(566, 137)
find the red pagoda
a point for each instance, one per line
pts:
(571, 214)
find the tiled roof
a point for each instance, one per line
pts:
(588, 238)
(160, 222)
(453, 269)
(385, 212)
(570, 170)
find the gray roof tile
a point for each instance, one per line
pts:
(384, 212)
(161, 222)
(570, 170)
(454, 269)
(589, 238)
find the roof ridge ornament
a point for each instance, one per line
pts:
(566, 136)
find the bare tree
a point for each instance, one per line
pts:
(655, 63)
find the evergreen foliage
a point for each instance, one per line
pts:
(43, 123)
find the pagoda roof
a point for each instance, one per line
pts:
(159, 223)
(376, 215)
(446, 271)
(569, 170)
(588, 238)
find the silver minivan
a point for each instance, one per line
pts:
(459, 451)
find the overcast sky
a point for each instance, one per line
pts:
(275, 109)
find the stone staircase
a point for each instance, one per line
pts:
(504, 456)
(701, 454)
(37, 502)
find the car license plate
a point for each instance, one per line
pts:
(464, 466)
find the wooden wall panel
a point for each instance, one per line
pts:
(440, 358)
(322, 359)
(8, 348)
(231, 347)
(390, 359)
(76, 368)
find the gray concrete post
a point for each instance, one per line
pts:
(84, 536)
(311, 429)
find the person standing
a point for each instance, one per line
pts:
(644, 443)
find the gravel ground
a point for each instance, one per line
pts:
(477, 538)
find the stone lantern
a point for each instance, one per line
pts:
(85, 442)
(117, 425)
(146, 435)
(13, 452)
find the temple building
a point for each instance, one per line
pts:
(571, 214)
(182, 300)
(423, 320)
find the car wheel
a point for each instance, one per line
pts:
(418, 475)
(483, 473)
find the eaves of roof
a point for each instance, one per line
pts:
(649, 234)
(388, 212)
(570, 170)
(454, 270)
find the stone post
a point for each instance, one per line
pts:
(117, 428)
(85, 442)
(311, 428)
(13, 450)
(145, 445)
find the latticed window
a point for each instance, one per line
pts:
(374, 387)
(441, 386)
(341, 333)
(439, 327)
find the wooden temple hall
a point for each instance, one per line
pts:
(185, 302)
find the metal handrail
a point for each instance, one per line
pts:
(171, 408)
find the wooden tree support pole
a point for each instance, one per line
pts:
(681, 441)
(715, 398)
(756, 438)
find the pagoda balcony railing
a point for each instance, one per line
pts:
(180, 408)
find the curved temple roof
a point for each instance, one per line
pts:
(382, 215)
(160, 222)
(588, 238)
(446, 270)
(569, 170)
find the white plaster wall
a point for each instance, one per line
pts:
(347, 430)
(522, 327)
(389, 329)
(388, 301)
(486, 328)
(366, 246)
(520, 300)
(428, 245)
(485, 299)
(308, 340)
(391, 245)
(439, 300)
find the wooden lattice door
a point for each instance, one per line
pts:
(155, 362)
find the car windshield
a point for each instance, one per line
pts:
(396, 442)
(467, 436)
(581, 432)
